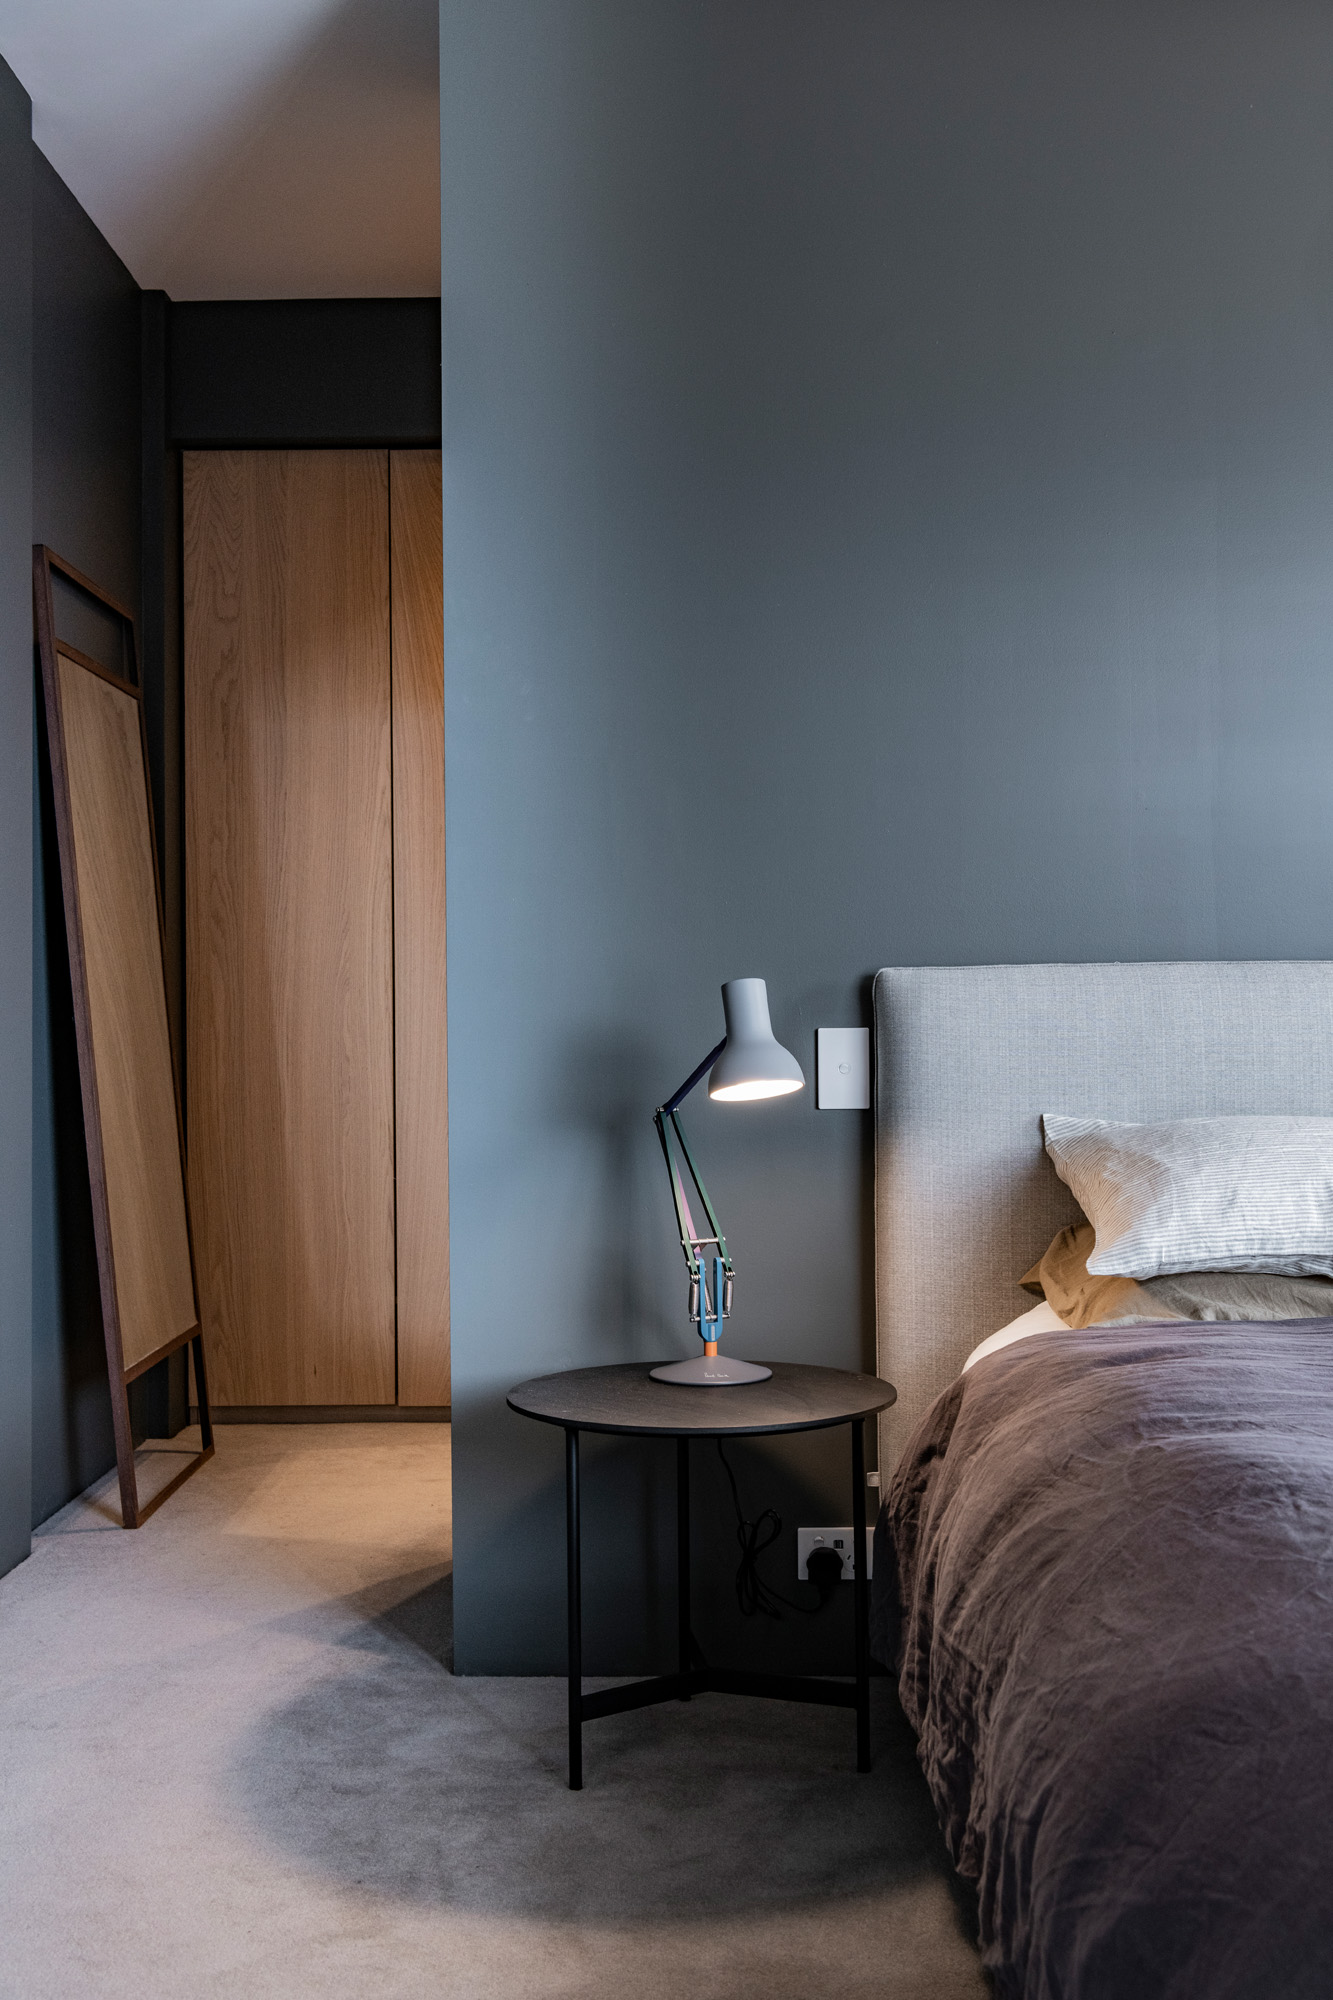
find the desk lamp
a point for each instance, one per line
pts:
(747, 1064)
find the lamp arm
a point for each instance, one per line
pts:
(708, 1312)
(709, 1210)
(690, 1243)
(695, 1076)
(682, 1226)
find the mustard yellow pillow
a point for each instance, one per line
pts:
(1062, 1277)
(1081, 1299)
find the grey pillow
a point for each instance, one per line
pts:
(1252, 1296)
(1063, 1280)
(1201, 1194)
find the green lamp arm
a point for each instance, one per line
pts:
(692, 1243)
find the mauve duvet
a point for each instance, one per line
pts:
(1104, 1571)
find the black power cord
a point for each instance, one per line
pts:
(753, 1595)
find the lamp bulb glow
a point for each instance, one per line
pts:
(747, 1093)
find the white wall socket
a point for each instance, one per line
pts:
(841, 1540)
(842, 1069)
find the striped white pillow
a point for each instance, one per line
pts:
(1201, 1194)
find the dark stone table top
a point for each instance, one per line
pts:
(625, 1398)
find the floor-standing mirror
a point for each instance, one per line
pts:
(113, 920)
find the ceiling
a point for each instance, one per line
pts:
(244, 148)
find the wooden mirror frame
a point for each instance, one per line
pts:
(45, 561)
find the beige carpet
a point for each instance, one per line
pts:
(233, 1761)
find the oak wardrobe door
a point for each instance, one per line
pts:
(289, 922)
(418, 899)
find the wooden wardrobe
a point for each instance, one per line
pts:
(316, 1097)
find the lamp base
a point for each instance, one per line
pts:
(710, 1371)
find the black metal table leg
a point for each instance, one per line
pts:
(861, 1600)
(624, 1401)
(683, 1660)
(574, 1611)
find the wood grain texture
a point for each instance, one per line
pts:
(127, 1014)
(289, 922)
(421, 1079)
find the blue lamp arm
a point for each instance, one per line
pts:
(707, 1312)
(695, 1076)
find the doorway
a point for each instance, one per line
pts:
(316, 1086)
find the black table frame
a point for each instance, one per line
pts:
(691, 1678)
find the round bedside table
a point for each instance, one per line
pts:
(627, 1401)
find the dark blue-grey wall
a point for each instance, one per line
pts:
(16, 814)
(85, 392)
(85, 504)
(888, 518)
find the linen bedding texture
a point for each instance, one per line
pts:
(1063, 1279)
(1201, 1194)
(1102, 1574)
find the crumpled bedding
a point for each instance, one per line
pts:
(1104, 1575)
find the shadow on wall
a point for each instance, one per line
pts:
(400, 1781)
(628, 1503)
(605, 1089)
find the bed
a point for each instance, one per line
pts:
(1104, 1565)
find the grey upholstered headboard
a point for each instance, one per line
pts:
(966, 1060)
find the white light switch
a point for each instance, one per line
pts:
(842, 1069)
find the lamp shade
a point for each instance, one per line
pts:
(752, 1063)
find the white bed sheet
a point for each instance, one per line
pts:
(1042, 1319)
